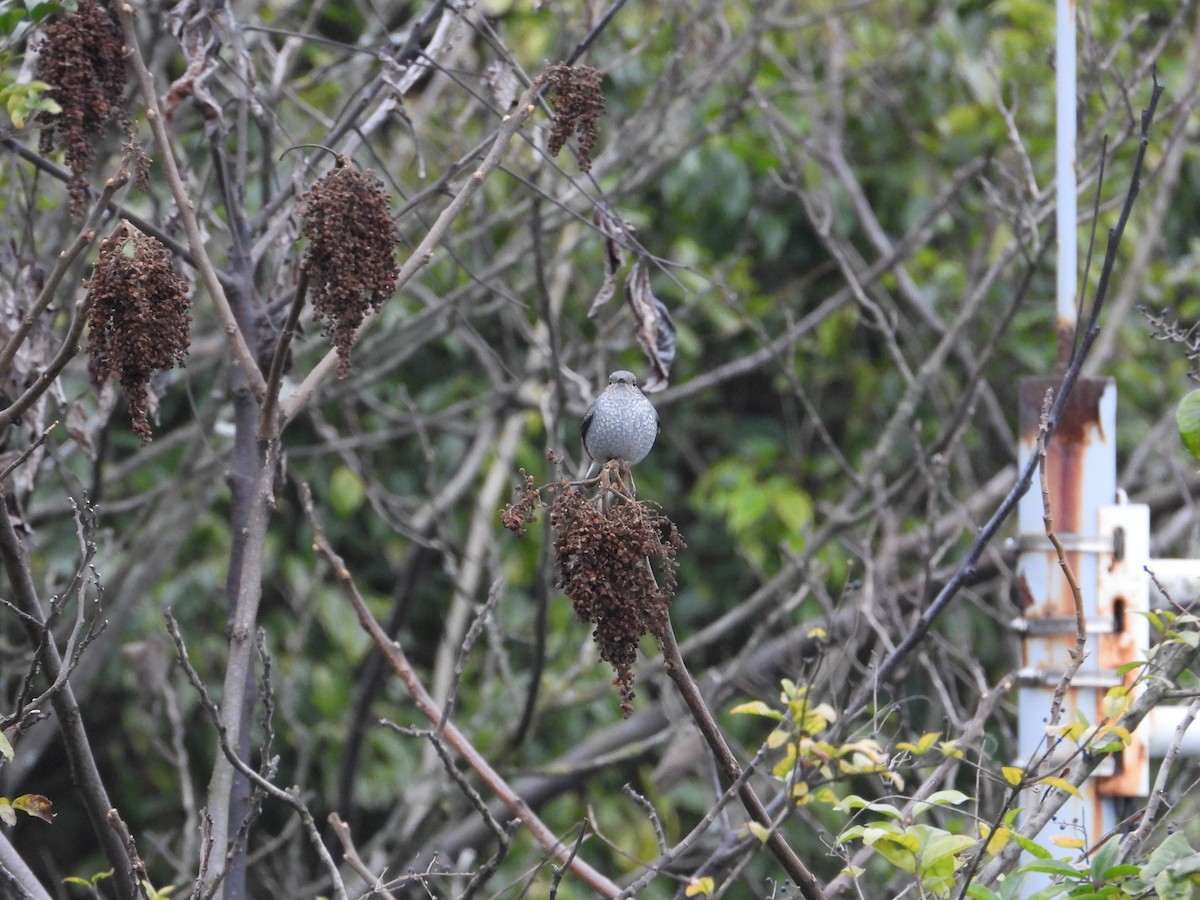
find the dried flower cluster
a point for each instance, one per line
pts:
(578, 105)
(351, 256)
(138, 317)
(618, 567)
(518, 516)
(82, 59)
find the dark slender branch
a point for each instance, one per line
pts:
(988, 532)
(730, 769)
(398, 660)
(119, 211)
(66, 353)
(267, 425)
(289, 797)
(84, 772)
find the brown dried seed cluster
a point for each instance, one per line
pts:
(351, 256)
(520, 514)
(618, 567)
(578, 104)
(82, 59)
(138, 317)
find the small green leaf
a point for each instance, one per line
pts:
(756, 708)
(1029, 846)
(1012, 774)
(759, 831)
(346, 491)
(1187, 417)
(6, 749)
(1062, 784)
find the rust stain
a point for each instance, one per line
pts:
(1081, 415)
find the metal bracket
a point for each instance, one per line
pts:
(1035, 542)
(1082, 679)
(1059, 625)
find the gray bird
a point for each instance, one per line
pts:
(621, 423)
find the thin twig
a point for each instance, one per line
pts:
(399, 662)
(1077, 653)
(1133, 841)
(290, 797)
(267, 424)
(350, 854)
(216, 290)
(421, 256)
(503, 833)
(987, 533)
(66, 258)
(730, 769)
(84, 772)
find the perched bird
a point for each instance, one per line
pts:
(621, 423)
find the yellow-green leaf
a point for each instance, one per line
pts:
(1115, 702)
(997, 840)
(762, 832)
(922, 746)
(1012, 774)
(701, 886)
(1187, 417)
(35, 805)
(756, 708)
(6, 749)
(1067, 842)
(1062, 784)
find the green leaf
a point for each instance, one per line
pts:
(979, 892)
(759, 831)
(1062, 784)
(940, 798)
(6, 749)
(346, 491)
(1104, 859)
(853, 801)
(1187, 417)
(42, 10)
(1029, 846)
(756, 708)
(1173, 849)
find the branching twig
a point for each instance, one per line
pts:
(216, 290)
(989, 530)
(731, 770)
(84, 772)
(399, 662)
(1077, 654)
(290, 797)
(423, 253)
(350, 854)
(65, 259)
